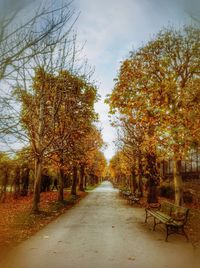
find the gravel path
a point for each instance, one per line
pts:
(101, 231)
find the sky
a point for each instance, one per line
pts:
(112, 28)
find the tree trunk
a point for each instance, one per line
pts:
(61, 185)
(39, 151)
(153, 179)
(178, 183)
(134, 181)
(37, 183)
(82, 175)
(96, 179)
(4, 186)
(16, 182)
(85, 181)
(139, 176)
(74, 181)
(25, 181)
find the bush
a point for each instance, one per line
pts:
(166, 191)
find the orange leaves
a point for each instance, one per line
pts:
(18, 224)
(158, 90)
(96, 163)
(119, 166)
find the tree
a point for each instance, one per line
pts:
(120, 169)
(74, 123)
(91, 146)
(18, 37)
(52, 105)
(97, 167)
(159, 87)
(56, 114)
(38, 121)
(43, 40)
(138, 120)
(130, 144)
(40, 99)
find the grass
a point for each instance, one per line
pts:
(91, 187)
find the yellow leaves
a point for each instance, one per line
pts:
(158, 91)
(96, 163)
(58, 115)
(119, 166)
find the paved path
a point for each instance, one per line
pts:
(102, 231)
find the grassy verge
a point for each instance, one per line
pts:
(91, 187)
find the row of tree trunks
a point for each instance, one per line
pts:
(135, 183)
(79, 178)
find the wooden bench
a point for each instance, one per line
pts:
(174, 217)
(125, 193)
(132, 199)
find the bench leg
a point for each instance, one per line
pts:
(167, 233)
(175, 230)
(146, 217)
(184, 233)
(154, 224)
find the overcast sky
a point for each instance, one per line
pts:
(114, 27)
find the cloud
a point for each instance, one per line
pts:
(114, 27)
(111, 28)
(12, 5)
(107, 24)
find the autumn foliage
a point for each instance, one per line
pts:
(156, 98)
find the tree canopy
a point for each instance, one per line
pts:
(157, 89)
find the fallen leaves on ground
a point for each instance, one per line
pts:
(17, 223)
(131, 258)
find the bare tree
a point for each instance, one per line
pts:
(19, 39)
(34, 51)
(22, 43)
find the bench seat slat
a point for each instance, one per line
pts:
(160, 216)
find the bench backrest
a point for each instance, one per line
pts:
(178, 213)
